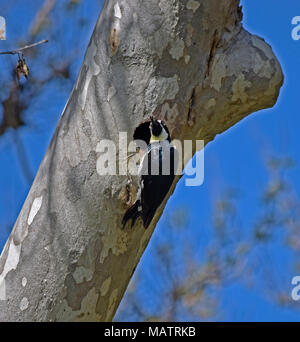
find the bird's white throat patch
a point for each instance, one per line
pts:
(163, 136)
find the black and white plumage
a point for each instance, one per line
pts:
(156, 174)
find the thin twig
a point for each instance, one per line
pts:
(41, 17)
(13, 52)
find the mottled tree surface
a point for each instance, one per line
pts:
(188, 62)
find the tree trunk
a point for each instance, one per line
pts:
(188, 62)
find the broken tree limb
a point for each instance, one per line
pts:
(190, 63)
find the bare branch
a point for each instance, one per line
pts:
(14, 52)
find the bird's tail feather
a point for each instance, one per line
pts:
(132, 213)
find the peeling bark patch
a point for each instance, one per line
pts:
(92, 70)
(238, 88)
(193, 5)
(159, 90)
(82, 274)
(35, 207)
(24, 304)
(168, 113)
(266, 65)
(189, 35)
(11, 263)
(76, 176)
(105, 286)
(218, 71)
(86, 127)
(72, 191)
(117, 10)
(262, 46)
(158, 23)
(187, 59)
(177, 48)
(112, 304)
(262, 68)
(210, 103)
(275, 82)
(86, 313)
(116, 240)
(111, 92)
(24, 281)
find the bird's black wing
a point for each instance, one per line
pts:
(155, 187)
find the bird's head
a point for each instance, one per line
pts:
(155, 127)
(158, 130)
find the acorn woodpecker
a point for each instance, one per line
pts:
(155, 175)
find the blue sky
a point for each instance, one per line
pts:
(234, 159)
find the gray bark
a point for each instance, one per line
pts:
(190, 63)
